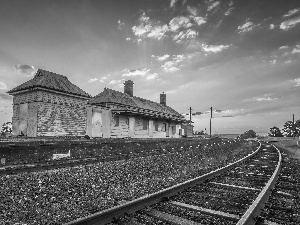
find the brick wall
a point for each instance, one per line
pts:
(57, 114)
(48, 97)
(55, 120)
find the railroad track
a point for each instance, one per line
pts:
(234, 194)
(283, 205)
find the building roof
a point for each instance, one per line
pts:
(126, 103)
(51, 81)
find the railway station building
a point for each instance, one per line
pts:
(50, 105)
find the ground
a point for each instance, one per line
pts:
(289, 144)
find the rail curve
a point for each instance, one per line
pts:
(112, 214)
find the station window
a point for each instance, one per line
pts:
(145, 124)
(174, 129)
(164, 127)
(156, 125)
(117, 121)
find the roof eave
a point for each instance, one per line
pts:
(46, 89)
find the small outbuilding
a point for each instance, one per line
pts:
(49, 105)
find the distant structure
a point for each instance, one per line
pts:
(50, 105)
(188, 130)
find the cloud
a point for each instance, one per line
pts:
(288, 24)
(291, 12)
(218, 113)
(297, 80)
(272, 26)
(161, 58)
(194, 16)
(248, 26)
(266, 97)
(102, 79)
(158, 31)
(192, 10)
(121, 25)
(180, 22)
(25, 69)
(199, 20)
(2, 86)
(5, 96)
(116, 82)
(230, 9)
(141, 30)
(172, 3)
(213, 5)
(105, 77)
(214, 48)
(178, 58)
(93, 80)
(283, 47)
(137, 72)
(149, 28)
(190, 33)
(151, 76)
(296, 50)
(179, 26)
(169, 66)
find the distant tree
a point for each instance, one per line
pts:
(275, 132)
(199, 132)
(297, 127)
(6, 128)
(248, 134)
(291, 129)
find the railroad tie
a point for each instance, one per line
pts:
(235, 186)
(220, 214)
(170, 218)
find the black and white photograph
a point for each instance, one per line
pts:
(145, 112)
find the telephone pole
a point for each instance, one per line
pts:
(210, 121)
(293, 119)
(190, 115)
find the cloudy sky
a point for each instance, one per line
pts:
(240, 57)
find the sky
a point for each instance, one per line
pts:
(239, 57)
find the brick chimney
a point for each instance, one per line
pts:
(163, 99)
(128, 87)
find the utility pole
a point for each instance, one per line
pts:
(210, 121)
(190, 115)
(293, 119)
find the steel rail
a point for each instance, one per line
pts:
(254, 210)
(108, 215)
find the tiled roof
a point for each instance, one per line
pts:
(52, 81)
(112, 96)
